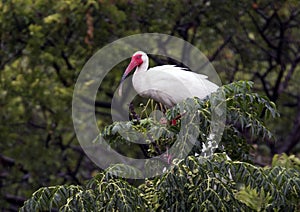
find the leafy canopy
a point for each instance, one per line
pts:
(196, 183)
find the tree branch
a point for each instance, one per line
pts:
(288, 77)
(293, 137)
(261, 31)
(60, 77)
(220, 48)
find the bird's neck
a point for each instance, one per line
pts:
(138, 78)
(143, 67)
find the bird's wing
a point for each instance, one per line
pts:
(197, 84)
(174, 68)
(170, 84)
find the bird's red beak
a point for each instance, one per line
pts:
(133, 63)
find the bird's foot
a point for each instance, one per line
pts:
(168, 157)
(158, 115)
(163, 121)
(133, 114)
(173, 122)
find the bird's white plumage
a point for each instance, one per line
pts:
(169, 84)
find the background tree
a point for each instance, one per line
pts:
(44, 45)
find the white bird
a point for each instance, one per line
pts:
(166, 84)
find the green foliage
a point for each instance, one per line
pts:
(44, 45)
(211, 185)
(246, 113)
(197, 184)
(287, 161)
(255, 200)
(51, 197)
(101, 193)
(193, 184)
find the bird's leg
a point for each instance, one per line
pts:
(153, 143)
(133, 114)
(168, 156)
(162, 108)
(163, 120)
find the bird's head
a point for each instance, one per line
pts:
(137, 59)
